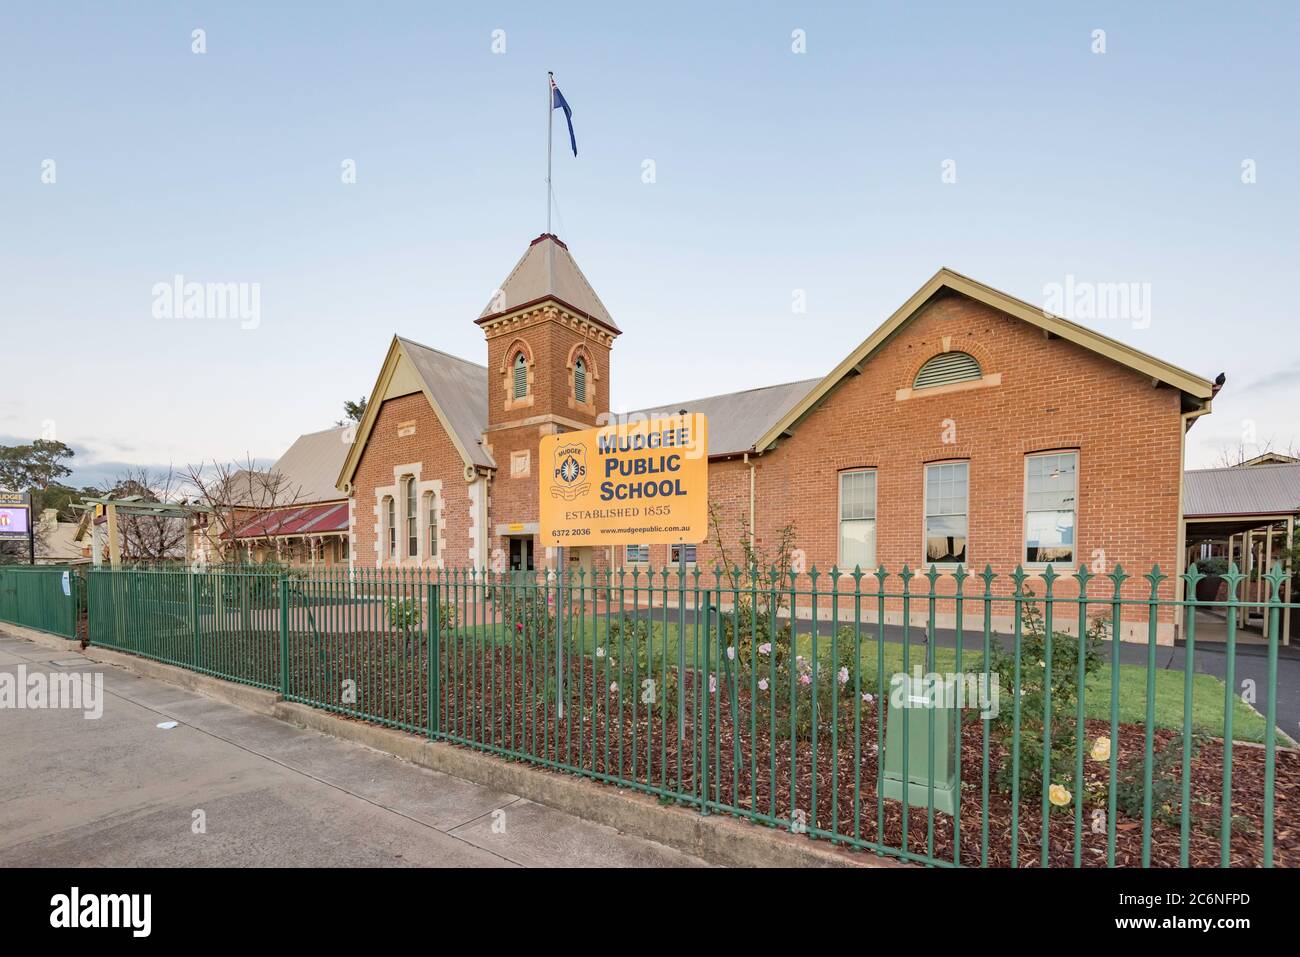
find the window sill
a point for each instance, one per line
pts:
(988, 381)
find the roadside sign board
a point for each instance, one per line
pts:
(15, 516)
(644, 482)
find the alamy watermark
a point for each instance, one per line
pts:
(180, 299)
(973, 690)
(75, 909)
(1083, 301)
(37, 691)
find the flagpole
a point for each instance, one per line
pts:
(550, 110)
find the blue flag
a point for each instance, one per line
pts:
(558, 102)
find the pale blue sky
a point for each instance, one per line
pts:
(776, 172)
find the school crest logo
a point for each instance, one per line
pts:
(569, 479)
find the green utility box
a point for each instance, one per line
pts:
(919, 714)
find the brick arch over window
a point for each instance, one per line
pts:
(516, 348)
(964, 344)
(580, 351)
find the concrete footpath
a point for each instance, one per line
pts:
(120, 791)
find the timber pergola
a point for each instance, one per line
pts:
(1251, 541)
(133, 503)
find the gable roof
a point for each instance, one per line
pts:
(311, 465)
(455, 388)
(1259, 490)
(1196, 390)
(458, 390)
(547, 271)
(738, 420)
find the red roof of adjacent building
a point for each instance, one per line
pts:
(297, 520)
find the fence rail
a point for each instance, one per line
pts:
(988, 721)
(47, 597)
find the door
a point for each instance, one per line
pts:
(521, 554)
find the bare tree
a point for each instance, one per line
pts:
(237, 494)
(1232, 456)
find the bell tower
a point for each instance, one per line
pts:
(549, 339)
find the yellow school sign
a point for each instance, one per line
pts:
(642, 483)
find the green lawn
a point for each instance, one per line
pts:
(1207, 690)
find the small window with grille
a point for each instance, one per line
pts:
(580, 380)
(948, 368)
(521, 376)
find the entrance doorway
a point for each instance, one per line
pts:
(521, 554)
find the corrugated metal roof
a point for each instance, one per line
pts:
(460, 388)
(311, 466)
(737, 420)
(548, 269)
(296, 520)
(1258, 490)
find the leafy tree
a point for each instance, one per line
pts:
(353, 411)
(33, 467)
(61, 498)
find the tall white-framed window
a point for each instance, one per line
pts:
(390, 527)
(857, 519)
(1051, 507)
(947, 512)
(636, 554)
(431, 522)
(412, 519)
(675, 554)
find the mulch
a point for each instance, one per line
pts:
(498, 698)
(745, 778)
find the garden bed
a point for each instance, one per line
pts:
(503, 698)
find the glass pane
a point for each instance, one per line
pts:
(1051, 481)
(945, 489)
(945, 538)
(857, 495)
(1049, 536)
(857, 545)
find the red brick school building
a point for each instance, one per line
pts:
(970, 427)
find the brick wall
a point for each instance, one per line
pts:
(1052, 395)
(552, 340)
(425, 451)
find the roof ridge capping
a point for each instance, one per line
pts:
(1199, 389)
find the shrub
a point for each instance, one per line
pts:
(631, 656)
(404, 615)
(1166, 781)
(825, 680)
(1064, 691)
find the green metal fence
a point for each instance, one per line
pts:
(782, 699)
(47, 597)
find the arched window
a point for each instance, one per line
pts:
(390, 527)
(412, 520)
(580, 380)
(948, 368)
(521, 376)
(431, 522)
